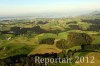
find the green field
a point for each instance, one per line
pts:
(31, 37)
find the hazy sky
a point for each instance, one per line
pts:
(47, 7)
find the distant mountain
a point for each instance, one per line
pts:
(95, 13)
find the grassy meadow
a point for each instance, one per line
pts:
(40, 36)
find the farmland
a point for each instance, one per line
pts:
(48, 35)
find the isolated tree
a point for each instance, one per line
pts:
(75, 38)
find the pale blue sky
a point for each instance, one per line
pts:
(47, 7)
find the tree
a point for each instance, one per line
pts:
(62, 44)
(47, 41)
(45, 38)
(75, 38)
(30, 34)
(15, 30)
